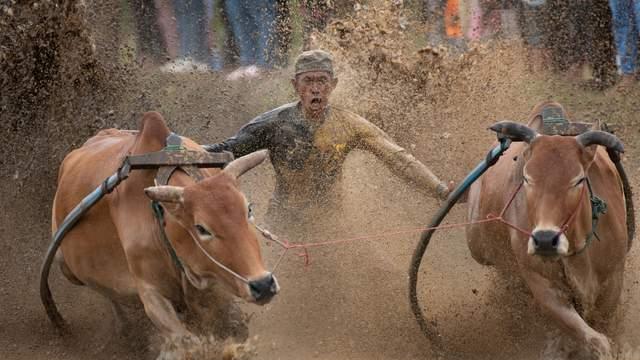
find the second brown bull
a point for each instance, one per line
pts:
(569, 247)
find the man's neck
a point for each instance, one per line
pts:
(315, 117)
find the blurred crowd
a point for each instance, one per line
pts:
(588, 41)
(251, 36)
(581, 39)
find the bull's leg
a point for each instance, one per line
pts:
(161, 312)
(608, 300)
(556, 303)
(233, 322)
(213, 310)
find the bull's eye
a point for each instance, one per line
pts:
(250, 212)
(203, 233)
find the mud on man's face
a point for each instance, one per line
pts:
(314, 88)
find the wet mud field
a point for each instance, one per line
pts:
(351, 301)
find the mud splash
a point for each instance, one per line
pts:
(435, 103)
(204, 348)
(55, 91)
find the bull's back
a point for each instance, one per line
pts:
(92, 249)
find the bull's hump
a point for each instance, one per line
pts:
(153, 133)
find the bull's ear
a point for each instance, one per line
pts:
(165, 193)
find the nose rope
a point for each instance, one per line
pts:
(286, 245)
(219, 264)
(158, 213)
(567, 223)
(304, 247)
(598, 207)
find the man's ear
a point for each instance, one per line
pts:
(294, 84)
(334, 83)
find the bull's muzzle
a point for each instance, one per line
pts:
(264, 289)
(547, 243)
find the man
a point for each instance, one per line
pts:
(309, 141)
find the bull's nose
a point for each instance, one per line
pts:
(264, 288)
(546, 242)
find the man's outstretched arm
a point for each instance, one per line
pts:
(251, 137)
(402, 163)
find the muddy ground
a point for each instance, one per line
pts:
(351, 302)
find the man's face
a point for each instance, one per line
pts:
(314, 88)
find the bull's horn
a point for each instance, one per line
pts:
(596, 137)
(243, 164)
(514, 131)
(165, 193)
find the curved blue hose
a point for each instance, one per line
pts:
(72, 218)
(490, 160)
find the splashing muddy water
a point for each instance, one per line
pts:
(350, 303)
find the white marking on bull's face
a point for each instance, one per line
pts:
(563, 243)
(531, 247)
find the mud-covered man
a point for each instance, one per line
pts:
(309, 141)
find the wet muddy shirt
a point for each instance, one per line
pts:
(308, 155)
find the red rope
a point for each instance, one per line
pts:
(490, 218)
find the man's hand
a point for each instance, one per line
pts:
(213, 148)
(445, 190)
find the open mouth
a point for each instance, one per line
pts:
(316, 101)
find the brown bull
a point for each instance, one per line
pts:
(117, 250)
(576, 280)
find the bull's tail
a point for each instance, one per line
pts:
(72, 218)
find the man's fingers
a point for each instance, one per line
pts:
(451, 186)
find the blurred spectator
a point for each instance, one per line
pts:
(196, 46)
(253, 29)
(193, 25)
(626, 24)
(577, 36)
(284, 30)
(315, 15)
(166, 21)
(532, 18)
(491, 19)
(444, 21)
(155, 38)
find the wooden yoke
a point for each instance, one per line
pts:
(176, 156)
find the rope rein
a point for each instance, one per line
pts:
(598, 207)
